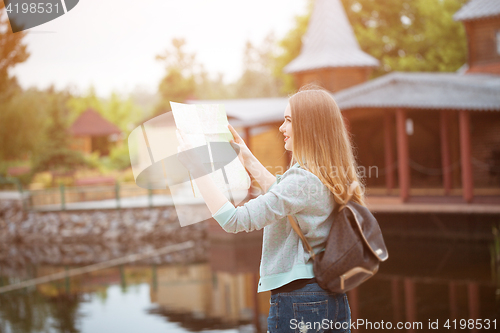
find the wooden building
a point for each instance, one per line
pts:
(438, 132)
(427, 134)
(481, 19)
(419, 137)
(330, 54)
(91, 132)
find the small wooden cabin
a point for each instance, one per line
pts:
(91, 132)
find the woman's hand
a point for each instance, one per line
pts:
(245, 153)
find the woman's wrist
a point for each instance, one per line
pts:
(250, 161)
(260, 173)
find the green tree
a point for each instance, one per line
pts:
(211, 88)
(405, 35)
(123, 113)
(12, 52)
(65, 313)
(290, 47)
(22, 124)
(55, 153)
(79, 104)
(257, 79)
(410, 35)
(24, 312)
(179, 82)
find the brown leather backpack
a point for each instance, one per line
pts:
(354, 248)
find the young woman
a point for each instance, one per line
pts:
(323, 168)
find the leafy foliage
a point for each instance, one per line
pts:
(22, 124)
(79, 104)
(257, 79)
(55, 153)
(179, 82)
(12, 52)
(290, 46)
(118, 158)
(17, 130)
(410, 35)
(124, 113)
(405, 35)
(209, 88)
(186, 79)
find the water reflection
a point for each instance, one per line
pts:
(430, 280)
(30, 311)
(423, 280)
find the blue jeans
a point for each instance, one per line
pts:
(310, 309)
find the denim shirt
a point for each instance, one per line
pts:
(297, 192)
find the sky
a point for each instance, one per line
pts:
(112, 44)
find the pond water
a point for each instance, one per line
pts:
(424, 280)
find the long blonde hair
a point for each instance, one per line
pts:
(321, 142)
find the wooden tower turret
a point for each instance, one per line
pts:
(330, 54)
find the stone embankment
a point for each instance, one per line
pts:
(85, 237)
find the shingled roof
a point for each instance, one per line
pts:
(433, 91)
(476, 92)
(478, 9)
(92, 123)
(329, 41)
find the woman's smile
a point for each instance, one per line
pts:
(286, 129)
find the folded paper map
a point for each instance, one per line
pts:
(153, 156)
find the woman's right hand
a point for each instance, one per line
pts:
(245, 153)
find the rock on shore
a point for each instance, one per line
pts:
(85, 237)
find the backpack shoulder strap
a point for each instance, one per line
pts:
(296, 227)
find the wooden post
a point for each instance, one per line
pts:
(396, 300)
(452, 289)
(67, 282)
(403, 155)
(473, 298)
(410, 302)
(389, 156)
(150, 198)
(117, 194)
(154, 278)
(465, 155)
(445, 152)
(63, 196)
(123, 279)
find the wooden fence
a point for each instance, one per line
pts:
(65, 195)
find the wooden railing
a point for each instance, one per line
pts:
(66, 195)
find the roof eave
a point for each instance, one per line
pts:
(475, 18)
(310, 69)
